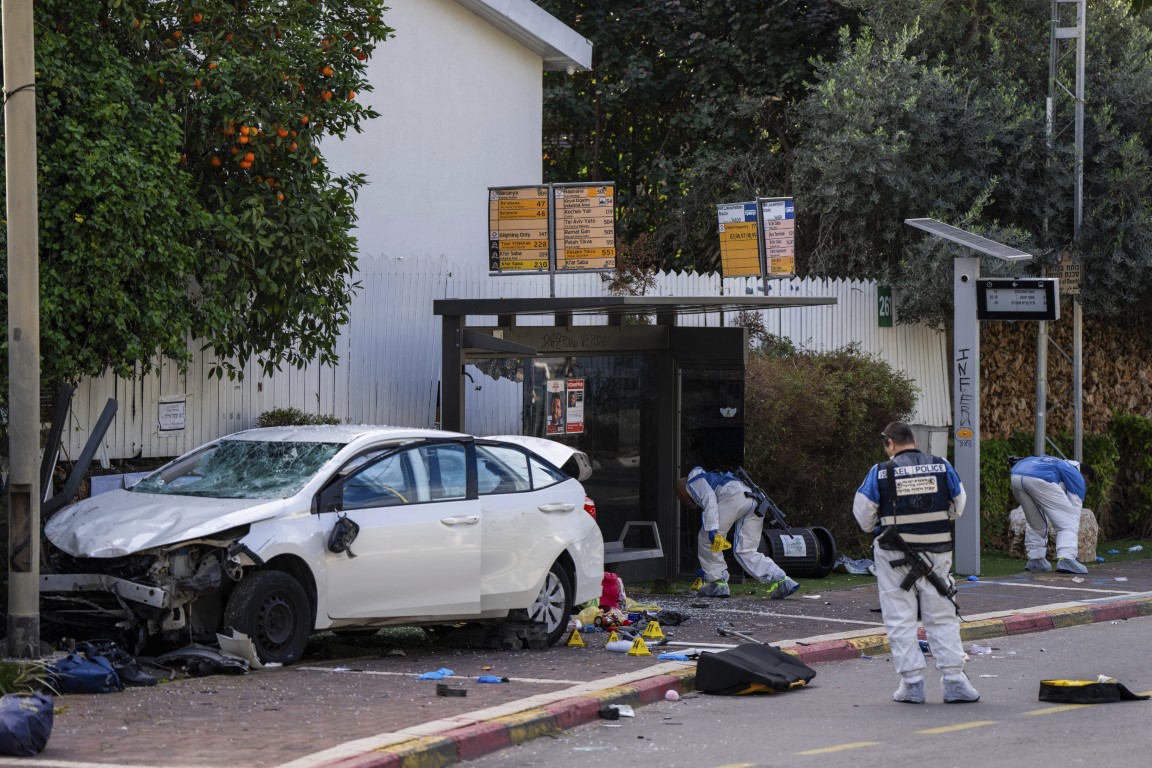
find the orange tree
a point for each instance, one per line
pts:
(183, 191)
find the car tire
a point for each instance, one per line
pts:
(272, 609)
(553, 606)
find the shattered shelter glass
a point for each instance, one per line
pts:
(241, 469)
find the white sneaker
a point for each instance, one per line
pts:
(958, 690)
(910, 693)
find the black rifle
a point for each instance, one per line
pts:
(918, 566)
(764, 504)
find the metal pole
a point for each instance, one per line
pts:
(1039, 439)
(23, 330)
(966, 410)
(1078, 220)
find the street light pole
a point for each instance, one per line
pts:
(23, 330)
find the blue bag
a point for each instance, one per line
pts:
(25, 723)
(78, 673)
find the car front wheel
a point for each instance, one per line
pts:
(553, 606)
(271, 608)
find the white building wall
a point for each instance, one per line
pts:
(461, 110)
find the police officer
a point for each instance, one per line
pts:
(1051, 491)
(920, 494)
(725, 505)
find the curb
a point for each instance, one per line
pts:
(476, 740)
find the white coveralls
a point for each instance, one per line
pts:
(899, 607)
(727, 509)
(1048, 494)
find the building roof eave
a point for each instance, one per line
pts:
(561, 47)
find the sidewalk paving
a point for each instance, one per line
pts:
(371, 710)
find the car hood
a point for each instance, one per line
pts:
(121, 522)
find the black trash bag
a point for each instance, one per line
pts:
(751, 668)
(25, 723)
(1085, 692)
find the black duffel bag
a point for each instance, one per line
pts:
(751, 668)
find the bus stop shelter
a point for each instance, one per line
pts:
(643, 396)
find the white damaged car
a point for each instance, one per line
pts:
(279, 532)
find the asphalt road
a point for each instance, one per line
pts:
(846, 716)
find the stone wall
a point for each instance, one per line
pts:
(1117, 375)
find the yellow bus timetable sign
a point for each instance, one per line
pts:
(518, 229)
(739, 242)
(585, 226)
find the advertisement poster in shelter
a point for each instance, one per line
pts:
(565, 406)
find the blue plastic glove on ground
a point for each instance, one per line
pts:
(439, 674)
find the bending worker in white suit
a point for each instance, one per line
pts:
(1051, 492)
(725, 504)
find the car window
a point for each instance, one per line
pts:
(241, 469)
(437, 472)
(447, 470)
(501, 469)
(544, 475)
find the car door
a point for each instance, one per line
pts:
(417, 552)
(527, 512)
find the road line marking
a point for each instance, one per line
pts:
(1061, 708)
(958, 727)
(1073, 587)
(839, 748)
(414, 675)
(776, 614)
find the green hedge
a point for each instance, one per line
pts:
(293, 417)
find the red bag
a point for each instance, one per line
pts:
(611, 592)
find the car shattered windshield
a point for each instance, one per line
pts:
(241, 469)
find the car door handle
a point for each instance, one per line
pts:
(557, 507)
(469, 520)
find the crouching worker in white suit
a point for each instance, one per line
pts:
(919, 495)
(725, 506)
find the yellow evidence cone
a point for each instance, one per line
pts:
(719, 544)
(697, 584)
(612, 638)
(639, 648)
(652, 631)
(575, 640)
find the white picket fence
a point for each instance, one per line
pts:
(390, 357)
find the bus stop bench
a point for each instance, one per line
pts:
(644, 541)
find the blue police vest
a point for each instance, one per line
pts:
(920, 513)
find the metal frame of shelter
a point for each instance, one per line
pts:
(672, 348)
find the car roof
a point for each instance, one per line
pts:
(338, 433)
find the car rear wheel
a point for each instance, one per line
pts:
(553, 606)
(272, 609)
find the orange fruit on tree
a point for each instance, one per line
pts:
(177, 34)
(245, 130)
(303, 119)
(214, 162)
(280, 196)
(197, 17)
(246, 164)
(249, 157)
(292, 147)
(327, 71)
(351, 95)
(315, 159)
(242, 139)
(326, 95)
(282, 132)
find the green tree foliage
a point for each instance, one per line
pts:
(686, 107)
(813, 431)
(183, 194)
(938, 110)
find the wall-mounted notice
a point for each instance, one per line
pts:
(778, 219)
(739, 243)
(585, 226)
(518, 229)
